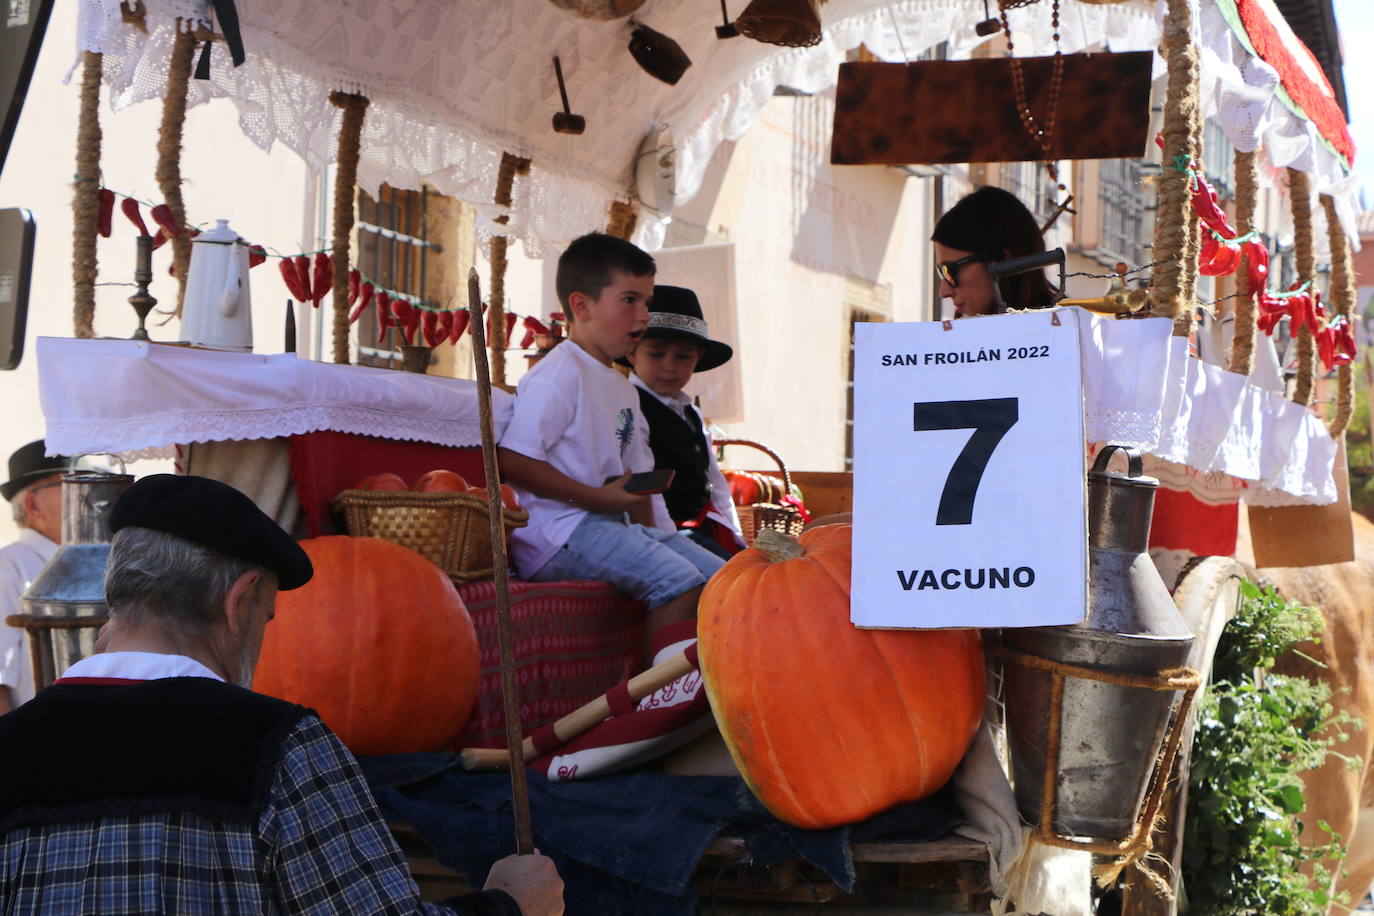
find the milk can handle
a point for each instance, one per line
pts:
(1134, 465)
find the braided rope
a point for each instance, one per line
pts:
(1247, 193)
(1343, 295)
(169, 136)
(1300, 197)
(350, 144)
(622, 220)
(86, 197)
(505, 183)
(1175, 245)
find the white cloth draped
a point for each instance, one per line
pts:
(1140, 385)
(139, 399)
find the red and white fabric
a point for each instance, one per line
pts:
(660, 723)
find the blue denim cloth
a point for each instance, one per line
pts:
(650, 565)
(627, 844)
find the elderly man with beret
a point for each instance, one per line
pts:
(34, 495)
(148, 779)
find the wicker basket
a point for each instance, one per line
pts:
(451, 530)
(753, 519)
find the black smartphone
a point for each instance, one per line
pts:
(647, 482)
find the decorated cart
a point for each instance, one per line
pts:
(495, 104)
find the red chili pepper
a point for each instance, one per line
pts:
(445, 326)
(1336, 343)
(301, 264)
(162, 215)
(1271, 311)
(293, 282)
(130, 208)
(1257, 264)
(429, 327)
(412, 324)
(256, 255)
(357, 312)
(1208, 208)
(106, 220)
(355, 281)
(1224, 262)
(324, 277)
(1302, 313)
(365, 294)
(384, 316)
(460, 324)
(159, 239)
(401, 311)
(1208, 252)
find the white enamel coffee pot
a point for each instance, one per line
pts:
(218, 313)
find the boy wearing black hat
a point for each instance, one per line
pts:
(675, 345)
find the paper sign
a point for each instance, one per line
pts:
(969, 473)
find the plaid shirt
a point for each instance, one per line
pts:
(320, 846)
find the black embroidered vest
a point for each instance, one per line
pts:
(677, 445)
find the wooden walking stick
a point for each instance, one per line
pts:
(520, 793)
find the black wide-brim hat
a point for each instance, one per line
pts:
(29, 465)
(675, 314)
(214, 515)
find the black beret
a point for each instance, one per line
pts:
(214, 515)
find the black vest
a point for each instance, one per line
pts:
(184, 744)
(678, 445)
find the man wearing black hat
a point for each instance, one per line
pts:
(34, 495)
(147, 779)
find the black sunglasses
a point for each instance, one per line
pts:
(949, 270)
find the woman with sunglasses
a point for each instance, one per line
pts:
(988, 225)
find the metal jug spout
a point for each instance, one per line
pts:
(1110, 734)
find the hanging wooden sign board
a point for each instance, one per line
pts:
(965, 110)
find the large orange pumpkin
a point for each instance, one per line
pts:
(830, 724)
(379, 643)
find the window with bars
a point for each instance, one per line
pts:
(1121, 186)
(1032, 185)
(1218, 158)
(393, 254)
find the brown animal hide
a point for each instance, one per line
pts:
(1344, 592)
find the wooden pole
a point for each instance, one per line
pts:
(346, 177)
(1343, 296)
(1176, 238)
(86, 197)
(169, 136)
(1305, 260)
(524, 835)
(511, 165)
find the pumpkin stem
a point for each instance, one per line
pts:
(778, 547)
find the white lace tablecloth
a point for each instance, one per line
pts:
(140, 400)
(1141, 388)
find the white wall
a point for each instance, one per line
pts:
(264, 197)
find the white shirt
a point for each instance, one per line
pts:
(139, 666)
(722, 507)
(583, 418)
(20, 564)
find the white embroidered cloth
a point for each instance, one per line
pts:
(453, 83)
(138, 399)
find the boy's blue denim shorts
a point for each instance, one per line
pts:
(650, 565)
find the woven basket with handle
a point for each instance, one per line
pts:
(754, 518)
(451, 530)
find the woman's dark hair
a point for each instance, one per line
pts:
(993, 222)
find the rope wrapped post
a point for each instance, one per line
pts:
(169, 134)
(511, 165)
(345, 178)
(1305, 257)
(86, 197)
(1343, 295)
(1175, 248)
(524, 834)
(622, 220)
(1243, 344)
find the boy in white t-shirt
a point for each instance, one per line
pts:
(576, 423)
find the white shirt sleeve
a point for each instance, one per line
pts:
(12, 584)
(540, 417)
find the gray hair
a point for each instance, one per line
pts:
(21, 515)
(175, 580)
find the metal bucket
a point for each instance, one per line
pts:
(72, 584)
(1110, 734)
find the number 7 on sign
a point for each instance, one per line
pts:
(989, 419)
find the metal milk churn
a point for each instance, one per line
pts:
(1110, 734)
(73, 582)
